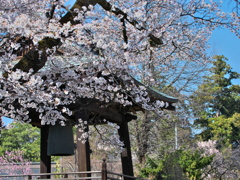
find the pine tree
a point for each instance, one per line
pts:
(216, 97)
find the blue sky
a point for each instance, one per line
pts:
(222, 42)
(6, 120)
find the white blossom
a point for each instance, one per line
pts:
(99, 55)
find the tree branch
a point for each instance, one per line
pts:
(124, 31)
(34, 59)
(69, 16)
(154, 41)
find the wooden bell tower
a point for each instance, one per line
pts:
(85, 109)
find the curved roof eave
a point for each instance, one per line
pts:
(157, 95)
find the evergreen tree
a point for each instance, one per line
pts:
(216, 97)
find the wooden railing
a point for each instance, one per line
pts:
(101, 175)
(52, 175)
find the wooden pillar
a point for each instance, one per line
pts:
(126, 156)
(83, 149)
(45, 160)
(104, 170)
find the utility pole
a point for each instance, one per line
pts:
(176, 136)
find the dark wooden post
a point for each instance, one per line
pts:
(45, 163)
(83, 149)
(104, 170)
(126, 156)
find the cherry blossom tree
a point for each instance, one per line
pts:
(13, 163)
(236, 8)
(94, 48)
(225, 165)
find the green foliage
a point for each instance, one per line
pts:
(181, 164)
(225, 130)
(217, 96)
(21, 136)
(152, 168)
(193, 162)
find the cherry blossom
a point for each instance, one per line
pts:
(95, 50)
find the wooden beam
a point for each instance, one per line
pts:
(126, 155)
(106, 112)
(110, 113)
(83, 149)
(45, 160)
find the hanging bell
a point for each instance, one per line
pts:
(60, 140)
